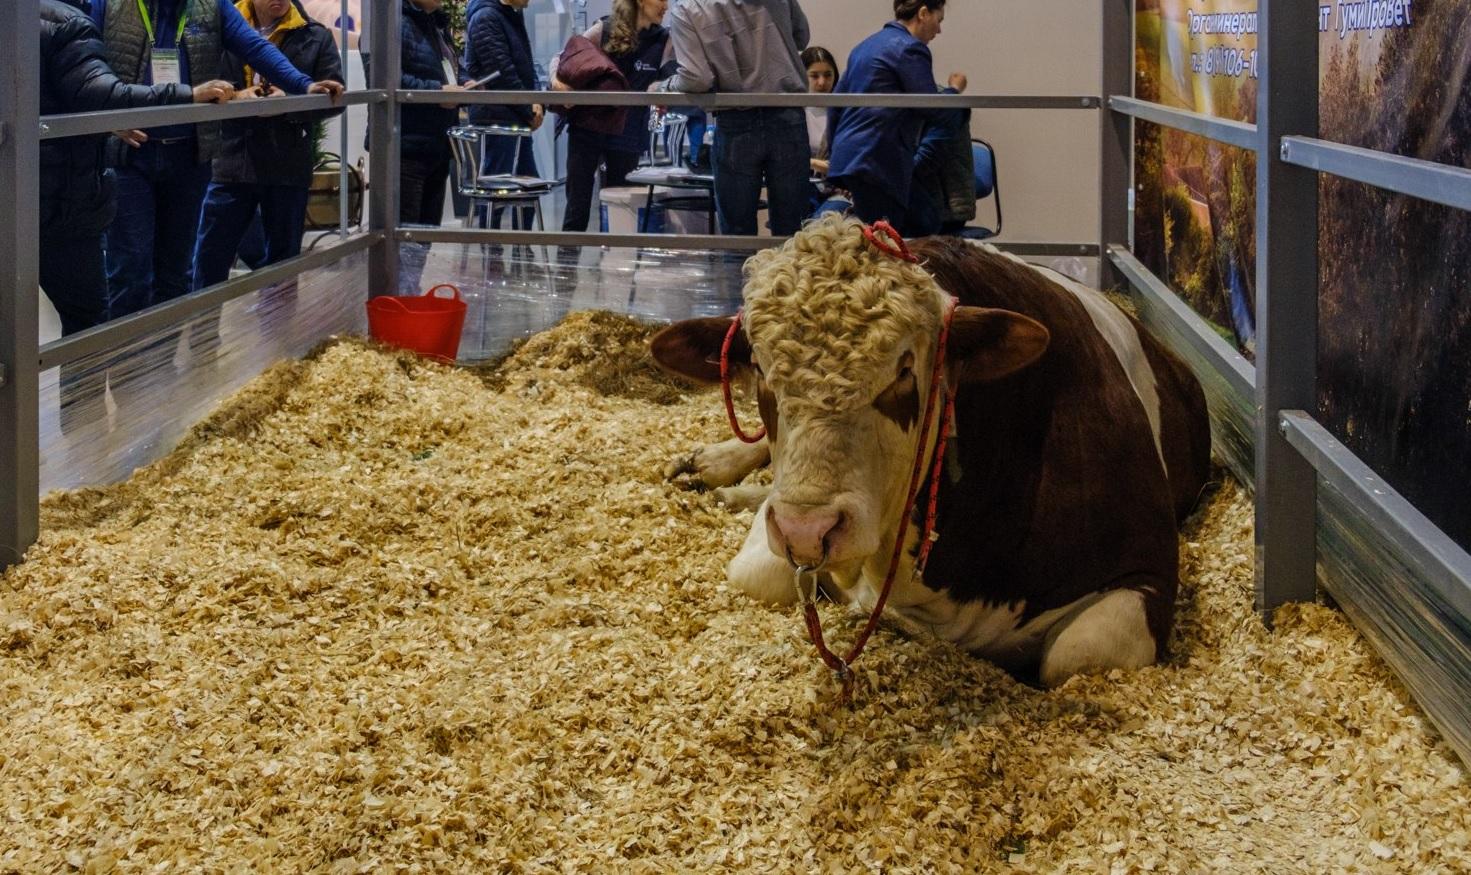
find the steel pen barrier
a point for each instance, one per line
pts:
(1260, 420)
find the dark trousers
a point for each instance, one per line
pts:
(422, 181)
(150, 246)
(73, 277)
(509, 155)
(585, 151)
(228, 213)
(755, 147)
(873, 202)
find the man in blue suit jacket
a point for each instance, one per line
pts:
(873, 150)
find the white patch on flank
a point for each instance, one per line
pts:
(1122, 337)
(1110, 633)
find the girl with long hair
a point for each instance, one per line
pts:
(634, 37)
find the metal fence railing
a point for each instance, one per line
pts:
(1279, 448)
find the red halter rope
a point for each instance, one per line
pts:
(894, 247)
(735, 425)
(843, 665)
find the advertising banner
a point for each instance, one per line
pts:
(1394, 332)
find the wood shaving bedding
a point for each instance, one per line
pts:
(377, 615)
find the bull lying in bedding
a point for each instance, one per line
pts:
(1078, 443)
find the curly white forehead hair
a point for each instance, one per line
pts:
(827, 310)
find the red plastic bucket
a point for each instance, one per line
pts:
(429, 325)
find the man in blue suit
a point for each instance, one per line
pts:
(873, 149)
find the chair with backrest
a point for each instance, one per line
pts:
(983, 160)
(494, 191)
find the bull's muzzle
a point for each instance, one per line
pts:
(805, 535)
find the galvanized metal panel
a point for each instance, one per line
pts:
(1427, 180)
(20, 90)
(1222, 130)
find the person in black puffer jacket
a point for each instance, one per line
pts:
(266, 163)
(496, 41)
(77, 191)
(77, 199)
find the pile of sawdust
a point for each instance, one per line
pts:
(376, 615)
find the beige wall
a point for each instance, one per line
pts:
(1048, 159)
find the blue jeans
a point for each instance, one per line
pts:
(150, 246)
(755, 147)
(229, 210)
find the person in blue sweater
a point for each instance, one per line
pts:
(162, 175)
(873, 149)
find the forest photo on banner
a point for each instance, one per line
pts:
(1394, 297)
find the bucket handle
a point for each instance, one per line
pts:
(390, 300)
(450, 286)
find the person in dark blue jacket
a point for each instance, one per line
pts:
(496, 40)
(77, 200)
(427, 63)
(161, 179)
(873, 149)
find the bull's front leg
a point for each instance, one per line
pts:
(716, 465)
(757, 571)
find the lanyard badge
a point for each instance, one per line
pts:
(165, 64)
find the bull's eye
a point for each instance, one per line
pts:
(900, 401)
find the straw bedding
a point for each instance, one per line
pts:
(380, 615)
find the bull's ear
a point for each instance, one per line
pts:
(692, 348)
(988, 344)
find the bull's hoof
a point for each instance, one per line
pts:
(717, 465)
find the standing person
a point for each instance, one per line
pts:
(428, 64)
(822, 78)
(748, 47)
(873, 149)
(162, 177)
(77, 191)
(266, 163)
(496, 41)
(637, 42)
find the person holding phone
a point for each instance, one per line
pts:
(162, 175)
(265, 164)
(77, 191)
(496, 40)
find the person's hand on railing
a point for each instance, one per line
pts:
(559, 85)
(958, 82)
(452, 88)
(819, 166)
(214, 91)
(538, 115)
(132, 138)
(329, 87)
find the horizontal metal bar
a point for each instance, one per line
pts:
(1222, 130)
(84, 123)
(1239, 372)
(1427, 180)
(575, 238)
(1428, 551)
(111, 335)
(671, 241)
(749, 101)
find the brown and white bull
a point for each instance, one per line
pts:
(1078, 444)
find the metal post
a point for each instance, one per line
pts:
(20, 451)
(342, 192)
(1115, 131)
(385, 73)
(1286, 303)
